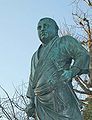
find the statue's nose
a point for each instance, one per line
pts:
(42, 27)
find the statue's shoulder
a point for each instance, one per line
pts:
(68, 39)
(35, 55)
(64, 39)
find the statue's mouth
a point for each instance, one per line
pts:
(44, 35)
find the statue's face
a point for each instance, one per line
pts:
(46, 30)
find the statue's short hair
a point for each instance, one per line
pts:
(50, 20)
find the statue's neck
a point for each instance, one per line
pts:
(45, 44)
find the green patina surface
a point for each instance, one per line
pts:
(50, 85)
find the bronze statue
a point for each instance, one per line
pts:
(50, 85)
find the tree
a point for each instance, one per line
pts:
(13, 108)
(83, 22)
(82, 30)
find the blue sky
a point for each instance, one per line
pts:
(18, 35)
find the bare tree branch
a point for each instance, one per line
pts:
(83, 85)
(10, 102)
(83, 92)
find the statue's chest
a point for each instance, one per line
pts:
(54, 52)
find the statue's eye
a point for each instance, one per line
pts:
(39, 28)
(45, 25)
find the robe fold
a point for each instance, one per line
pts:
(53, 99)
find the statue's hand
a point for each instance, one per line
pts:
(30, 110)
(66, 76)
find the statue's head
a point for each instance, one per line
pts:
(47, 29)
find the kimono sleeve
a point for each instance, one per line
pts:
(30, 91)
(79, 54)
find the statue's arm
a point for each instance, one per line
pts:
(30, 108)
(79, 54)
(30, 92)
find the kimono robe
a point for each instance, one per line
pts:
(53, 99)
